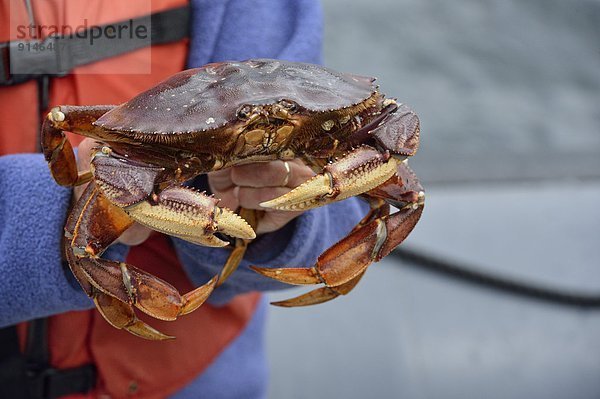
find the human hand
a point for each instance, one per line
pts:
(134, 235)
(249, 185)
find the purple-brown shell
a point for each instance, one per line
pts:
(207, 98)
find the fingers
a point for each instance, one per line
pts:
(249, 185)
(251, 197)
(246, 185)
(135, 235)
(271, 174)
(83, 162)
(83, 153)
(220, 180)
(254, 185)
(274, 220)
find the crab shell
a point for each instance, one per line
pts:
(203, 109)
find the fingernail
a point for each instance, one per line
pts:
(236, 192)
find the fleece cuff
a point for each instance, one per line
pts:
(33, 208)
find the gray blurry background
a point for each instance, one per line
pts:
(508, 93)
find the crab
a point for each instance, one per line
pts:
(214, 117)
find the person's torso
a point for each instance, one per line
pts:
(127, 366)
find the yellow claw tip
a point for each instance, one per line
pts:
(305, 196)
(265, 204)
(233, 225)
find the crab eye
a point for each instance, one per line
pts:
(290, 106)
(244, 112)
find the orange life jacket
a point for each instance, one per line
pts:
(127, 366)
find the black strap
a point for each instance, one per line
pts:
(10, 342)
(22, 61)
(51, 383)
(29, 375)
(36, 348)
(13, 379)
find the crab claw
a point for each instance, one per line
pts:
(190, 215)
(307, 195)
(232, 224)
(359, 171)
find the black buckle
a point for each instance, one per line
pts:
(24, 60)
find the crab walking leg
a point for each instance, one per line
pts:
(341, 266)
(93, 225)
(116, 313)
(379, 208)
(320, 295)
(146, 292)
(56, 147)
(122, 316)
(357, 172)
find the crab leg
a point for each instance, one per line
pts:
(121, 316)
(320, 295)
(92, 226)
(379, 208)
(57, 148)
(340, 267)
(118, 314)
(148, 293)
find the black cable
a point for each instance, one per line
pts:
(505, 284)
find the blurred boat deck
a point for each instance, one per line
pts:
(405, 332)
(508, 94)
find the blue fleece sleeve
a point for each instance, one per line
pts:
(34, 283)
(290, 30)
(240, 29)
